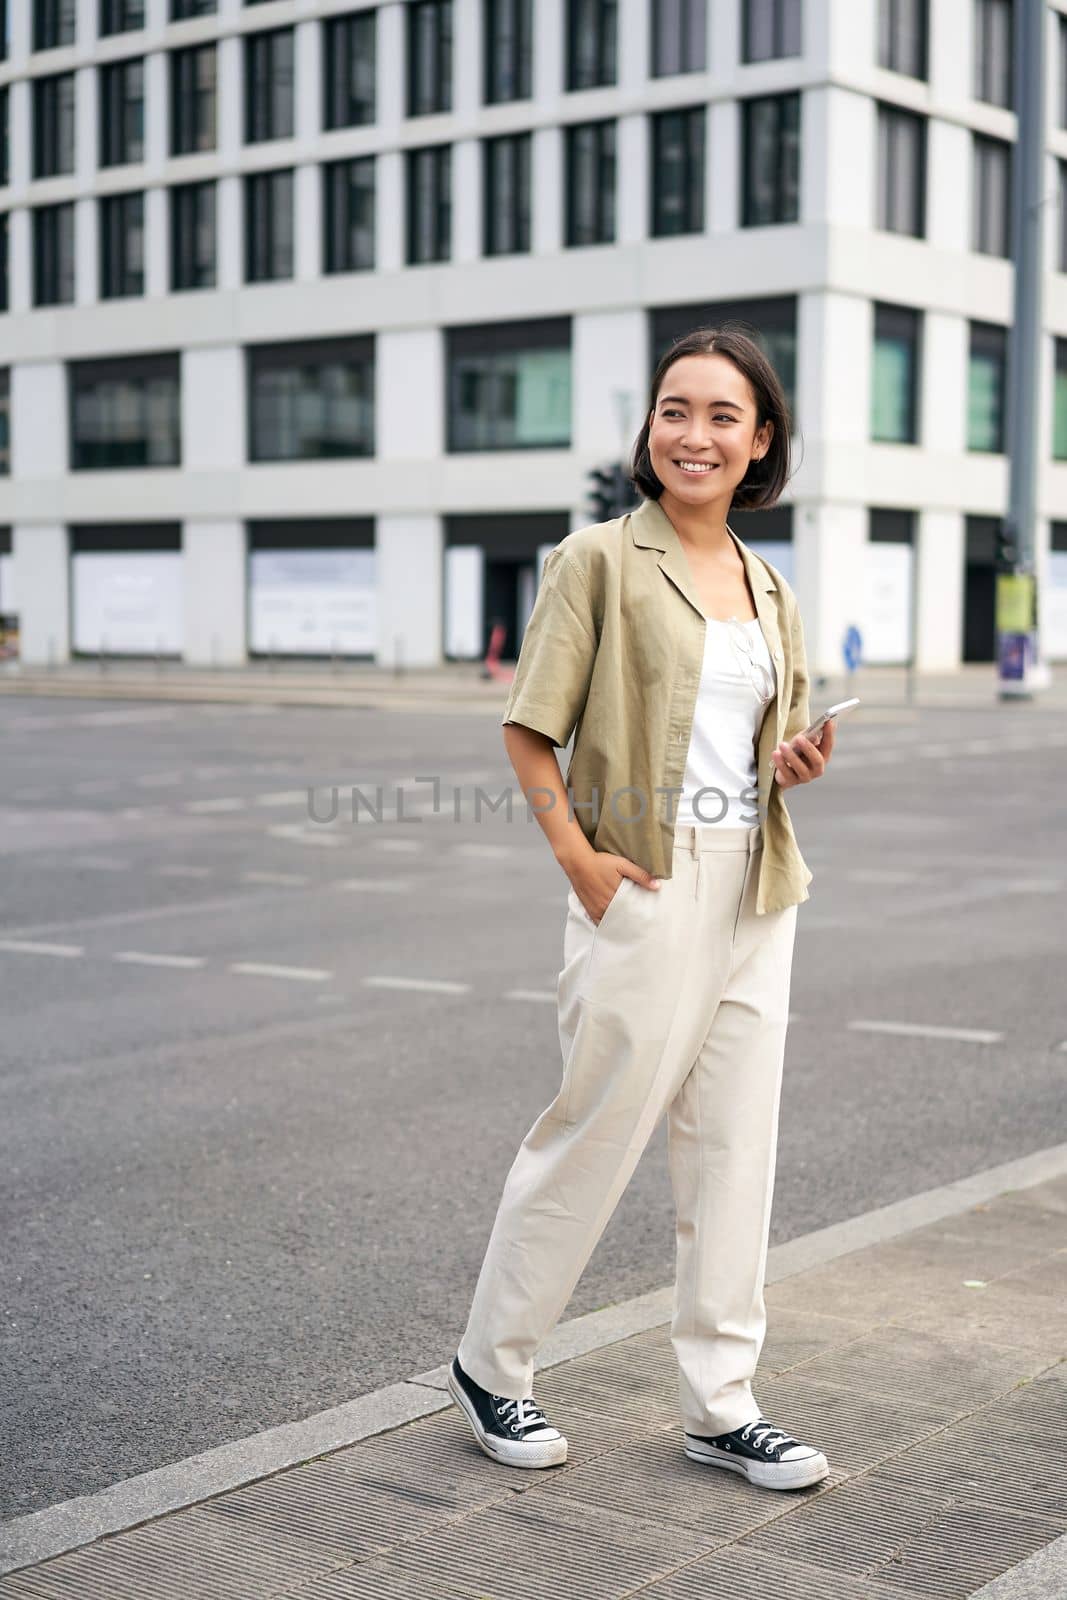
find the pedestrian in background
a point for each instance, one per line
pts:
(675, 655)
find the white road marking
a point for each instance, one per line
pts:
(179, 871)
(494, 852)
(31, 948)
(283, 797)
(281, 878)
(878, 874)
(376, 885)
(545, 995)
(227, 803)
(147, 959)
(263, 969)
(306, 833)
(399, 846)
(433, 985)
(924, 1030)
(158, 780)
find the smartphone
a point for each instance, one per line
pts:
(834, 711)
(820, 721)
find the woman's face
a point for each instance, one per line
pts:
(705, 415)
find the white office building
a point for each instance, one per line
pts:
(315, 315)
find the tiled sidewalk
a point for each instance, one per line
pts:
(930, 1370)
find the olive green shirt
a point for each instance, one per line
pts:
(613, 653)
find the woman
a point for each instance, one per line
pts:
(676, 656)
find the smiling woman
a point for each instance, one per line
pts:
(675, 656)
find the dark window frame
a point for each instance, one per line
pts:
(119, 145)
(54, 24)
(188, 97)
(892, 121)
(257, 185)
(598, 68)
(901, 324)
(601, 216)
(995, 338)
(121, 16)
(152, 367)
(993, 78)
(518, 231)
(53, 276)
(782, 13)
(120, 277)
(429, 83)
(54, 122)
(335, 227)
(507, 54)
(348, 42)
(269, 85)
(437, 159)
(894, 53)
(984, 224)
(497, 341)
(187, 269)
(785, 185)
(304, 356)
(694, 166)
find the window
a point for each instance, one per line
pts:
(4, 291)
(192, 236)
(678, 37)
(771, 160)
(771, 322)
(121, 245)
(269, 85)
(1059, 402)
(1061, 242)
(986, 379)
(771, 29)
(193, 99)
(53, 125)
(181, 9)
(506, 211)
(121, 113)
(678, 172)
(120, 16)
(590, 204)
(993, 54)
(509, 385)
(312, 400)
(348, 70)
(429, 57)
(429, 213)
(591, 43)
(894, 375)
(1061, 23)
(902, 35)
(992, 196)
(53, 254)
(901, 171)
(125, 413)
(5, 427)
(508, 37)
(53, 23)
(348, 215)
(268, 225)
(5, 133)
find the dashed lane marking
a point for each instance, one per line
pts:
(923, 1030)
(264, 969)
(146, 958)
(31, 947)
(431, 985)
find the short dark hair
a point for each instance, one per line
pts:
(765, 479)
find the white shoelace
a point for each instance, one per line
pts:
(523, 1413)
(764, 1435)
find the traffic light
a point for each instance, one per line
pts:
(610, 493)
(1006, 552)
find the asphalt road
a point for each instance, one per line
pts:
(248, 1171)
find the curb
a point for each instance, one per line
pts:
(40, 1535)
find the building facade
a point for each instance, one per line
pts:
(315, 315)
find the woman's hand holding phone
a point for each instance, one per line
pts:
(803, 759)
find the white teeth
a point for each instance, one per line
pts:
(688, 466)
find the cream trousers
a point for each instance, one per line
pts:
(677, 1001)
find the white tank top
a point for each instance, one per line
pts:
(731, 701)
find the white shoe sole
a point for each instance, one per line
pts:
(550, 1453)
(767, 1475)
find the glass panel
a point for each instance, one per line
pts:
(1059, 408)
(984, 402)
(891, 390)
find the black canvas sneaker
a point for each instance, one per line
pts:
(512, 1431)
(762, 1453)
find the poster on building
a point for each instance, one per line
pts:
(313, 603)
(128, 602)
(886, 623)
